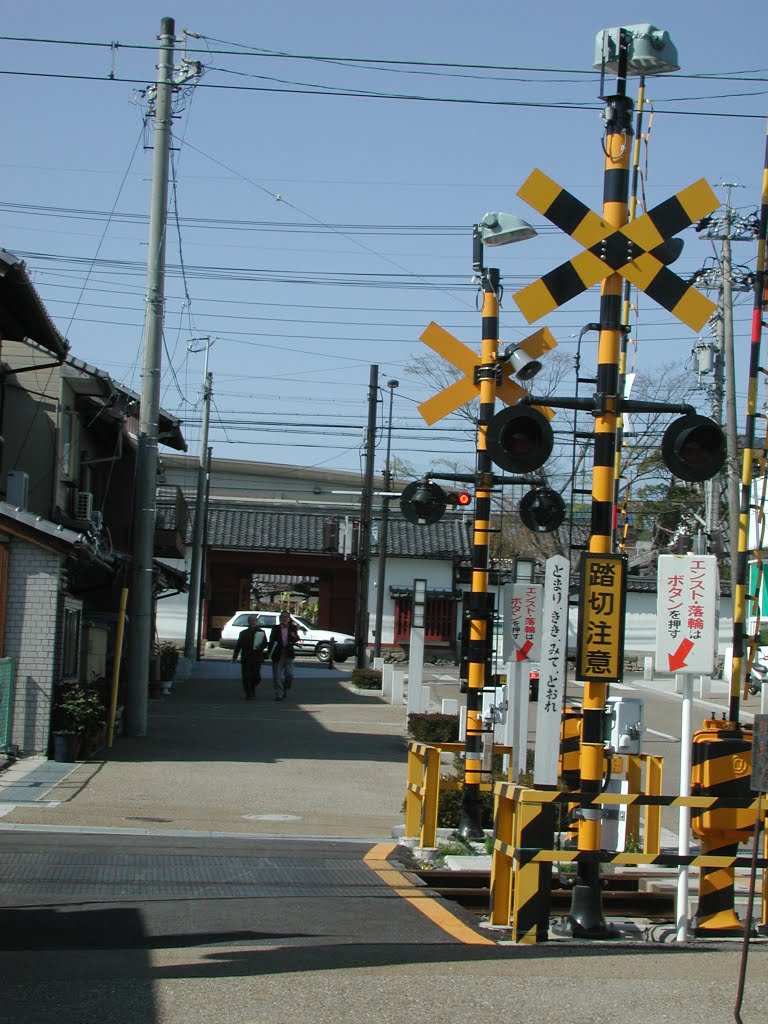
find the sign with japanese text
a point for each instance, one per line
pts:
(686, 614)
(554, 622)
(600, 634)
(522, 621)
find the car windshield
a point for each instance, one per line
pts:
(302, 622)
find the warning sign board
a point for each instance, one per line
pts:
(522, 621)
(600, 636)
(686, 614)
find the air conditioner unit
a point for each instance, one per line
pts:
(84, 505)
(17, 489)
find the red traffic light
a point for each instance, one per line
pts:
(459, 499)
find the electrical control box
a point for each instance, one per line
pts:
(625, 724)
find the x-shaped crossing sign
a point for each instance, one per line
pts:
(464, 359)
(628, 250)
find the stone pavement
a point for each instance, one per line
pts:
(325, 762)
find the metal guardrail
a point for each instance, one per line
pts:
(424, 785)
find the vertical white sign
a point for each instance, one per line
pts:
(554, 627)
(522, 621)
(686, 619)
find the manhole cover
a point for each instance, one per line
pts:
(272, 817)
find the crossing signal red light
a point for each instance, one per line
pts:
(423, 502)
(693, 448)
(542, 510)
(459, 499)
(520, 439)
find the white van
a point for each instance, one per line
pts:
(311, 639)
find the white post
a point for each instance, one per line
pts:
(685, 682)
(449, 706)
(378, 664)
(705, 687)
(426, 698)
(648, 668)
(517, 715)
(398, 682)
(386, 682)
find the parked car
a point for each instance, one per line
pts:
(311, 639)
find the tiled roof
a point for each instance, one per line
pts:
(289, 529)
(22, 313)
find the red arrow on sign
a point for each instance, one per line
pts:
(522, 653)
(677, 660)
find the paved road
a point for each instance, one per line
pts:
(168, 882)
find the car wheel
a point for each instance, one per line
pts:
(323, 653)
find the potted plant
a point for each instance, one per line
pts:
(79, 713)
(167, 658)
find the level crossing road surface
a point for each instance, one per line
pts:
(175, 930)
(236, 865)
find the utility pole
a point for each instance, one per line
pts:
(145, 499)
(728, 228)
(203, 546)
(191, 642)
(145, 496)
(364, 536)
(384, 529)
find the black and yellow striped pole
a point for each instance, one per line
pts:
(742, 560)
(480, 611)
(586, 911)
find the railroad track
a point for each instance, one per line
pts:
(622, 896)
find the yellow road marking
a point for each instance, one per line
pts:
(376, 860)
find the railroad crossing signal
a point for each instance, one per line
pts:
(631, 250)
(464, 359)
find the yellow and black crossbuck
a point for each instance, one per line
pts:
(631, 250)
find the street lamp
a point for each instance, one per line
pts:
(383, 529)
(494, 229)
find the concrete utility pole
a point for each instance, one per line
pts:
(364, 536)
(145, 500)
(728, 227)
(384, 529)
(203, 546)
(191, 640)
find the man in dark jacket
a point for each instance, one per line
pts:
(252, 642)
(282, 650)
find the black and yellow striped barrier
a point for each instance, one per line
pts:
(520, 867)
(721, 767)
(631, 250)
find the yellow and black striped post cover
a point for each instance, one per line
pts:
(627, 250)
(532, 891)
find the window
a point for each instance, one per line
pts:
(439, 619)
(70, 453)
(70, 653)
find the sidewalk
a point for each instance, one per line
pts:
(329, 761)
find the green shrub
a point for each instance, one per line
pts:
(366, 679)
(78, 709)
(169, 659)
(433, 728)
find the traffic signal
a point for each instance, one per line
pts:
(423, 502)
(458, 499)
(542, 510)
(520, 439)
(693, 448)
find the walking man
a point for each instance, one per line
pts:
(282, 647)
(252, 642)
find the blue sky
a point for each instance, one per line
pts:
(370, 237)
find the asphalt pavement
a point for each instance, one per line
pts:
(230, 867)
